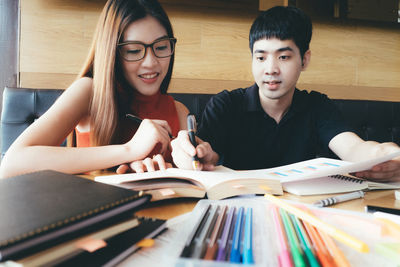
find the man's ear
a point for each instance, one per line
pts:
(306, 59)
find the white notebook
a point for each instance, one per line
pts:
(334, 184)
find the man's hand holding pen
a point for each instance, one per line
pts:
(192, 127)
(185, 149)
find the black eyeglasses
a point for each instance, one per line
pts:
(135, 51)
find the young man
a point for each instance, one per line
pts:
(272, 123)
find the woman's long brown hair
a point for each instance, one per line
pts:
(102, 64)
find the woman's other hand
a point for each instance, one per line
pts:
(155, 163)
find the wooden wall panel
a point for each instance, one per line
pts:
(56, 34)
(354, 60)
(267, 4)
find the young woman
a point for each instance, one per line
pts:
(128, 71)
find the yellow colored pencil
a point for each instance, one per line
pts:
(320, 225)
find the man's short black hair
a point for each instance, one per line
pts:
(283, 23)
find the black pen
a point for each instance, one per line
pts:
(139, 121)
(191, 125)
(370, 208)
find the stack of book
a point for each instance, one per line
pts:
(42, 209)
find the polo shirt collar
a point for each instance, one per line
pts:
(299, 102)
(252, 100)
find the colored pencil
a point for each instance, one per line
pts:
(230, 238)
(304, 241)
(213, 244)
(248, 238)
(235, 255)
(322, 253)
(187, 251)
(283, 256)
(320, 225)
(223, 243)
(336, 253)
(200, 240)
(297, 253)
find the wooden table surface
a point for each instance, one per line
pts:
(174, 207)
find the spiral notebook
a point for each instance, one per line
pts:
(334, 184)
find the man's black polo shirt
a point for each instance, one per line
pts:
(245, 137)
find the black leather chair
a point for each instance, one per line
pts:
(194, 102)
(21, 107)
(372, 120)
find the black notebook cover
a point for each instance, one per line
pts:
(118, 247)
(44, 208)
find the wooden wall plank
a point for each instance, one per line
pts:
(212, 50)
(267, 4)
(209, 86)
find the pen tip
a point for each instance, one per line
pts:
(196, 165)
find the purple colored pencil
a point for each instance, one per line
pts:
(225, 234)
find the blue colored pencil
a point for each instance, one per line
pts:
(248, 238)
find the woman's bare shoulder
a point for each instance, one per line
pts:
(82, 84)
(182, 111)
(181, 108)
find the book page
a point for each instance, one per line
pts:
(318, 167)
(333, 184)
(376, 185)
(200, 178)
(209, 179)
(323, 185)
(299, 171)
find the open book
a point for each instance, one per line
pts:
(174, 183)
(224, 182)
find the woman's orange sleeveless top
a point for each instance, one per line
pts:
(158, 106)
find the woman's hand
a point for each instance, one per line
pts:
(151, 138)
(146, 165)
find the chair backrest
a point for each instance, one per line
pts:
(372, 120)
(21, 107)
(194, 102)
